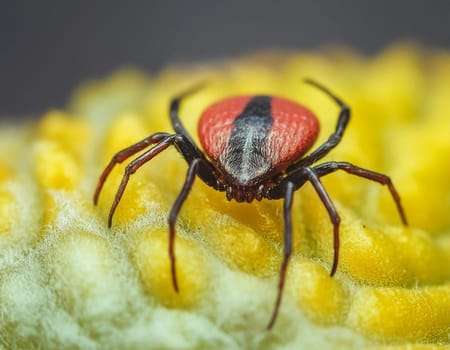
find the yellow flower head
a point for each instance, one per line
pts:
(67, 281)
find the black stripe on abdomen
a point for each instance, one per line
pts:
(245, 158)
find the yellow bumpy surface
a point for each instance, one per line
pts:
(68, 281)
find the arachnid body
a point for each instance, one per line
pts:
(255, 148)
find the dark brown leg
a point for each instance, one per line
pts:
(334, 216)
(329, 167)
(135, 165)
(174, 109)
(333, 139)
(289, 193)
(125, 154)
(190, 177)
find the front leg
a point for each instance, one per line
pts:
(126, 153)
(298, 179)
(134, 166)
(313, 177)
(189, 181)
(287, 214)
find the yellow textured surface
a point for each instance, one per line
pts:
(7, 211)
(67, 281)
(399, 313)
(154, 267)
(322, 298)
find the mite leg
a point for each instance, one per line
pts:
(333, 139)
(334, 216)
(289, 192)
(329, 167)
(175, 107)
(190, 177)
(135, 165)
(125, 154)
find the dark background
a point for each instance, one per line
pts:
(48, 47)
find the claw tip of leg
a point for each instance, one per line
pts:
(333, 271)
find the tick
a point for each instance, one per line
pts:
(254, 148)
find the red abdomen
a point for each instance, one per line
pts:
(248, 136)
(294, 131)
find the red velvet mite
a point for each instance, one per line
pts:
(255, 148)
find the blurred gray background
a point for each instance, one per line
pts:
(48, 47)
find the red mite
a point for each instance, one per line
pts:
(254, 149)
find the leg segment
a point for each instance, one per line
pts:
(335, 137)
(288, 196)
(135, 165)
(174, 108)
(334, 216)
(329, 167)
(205, 170)
(125, 154)
(188, 149)
(190, 177)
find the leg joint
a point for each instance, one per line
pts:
(130, 169)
